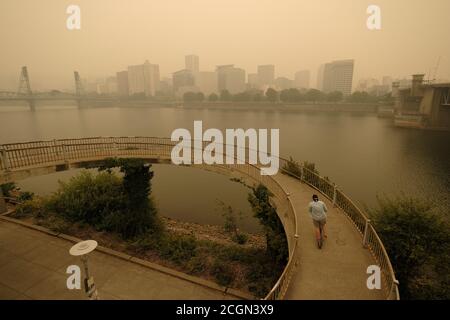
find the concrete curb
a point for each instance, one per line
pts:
(147, 264)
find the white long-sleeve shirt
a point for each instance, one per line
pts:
(318, 210)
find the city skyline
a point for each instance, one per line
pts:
(295, 40)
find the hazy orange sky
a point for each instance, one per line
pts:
(292, 34)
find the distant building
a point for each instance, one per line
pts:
(192, 63)
(253, 81)
(111, 85)
(182, 78)
(122, 83)
(338, 76)
(206, 81)
(165, 86)
(301, 79)
(230, 78)
(266, 74)
(143, 78)
(282, 83)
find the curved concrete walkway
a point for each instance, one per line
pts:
(33, 266)
(338, 271)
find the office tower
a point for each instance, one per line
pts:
(253, 81)
(266, 74)
(301, 79)
(282, 83)
(320, 77)
(230, 78)
(182, 78)
(143, 78)
(206, 81)
(192, 63)
(122, 83)
(338, 76)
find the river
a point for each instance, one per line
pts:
(365, 155)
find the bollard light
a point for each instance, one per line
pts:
(82, 249)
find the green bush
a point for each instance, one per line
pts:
(417, 239)
(7, 188)
(36, 207)
(240, 238)
(223, 274)
(90, 198)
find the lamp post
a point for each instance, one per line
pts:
(82, 249)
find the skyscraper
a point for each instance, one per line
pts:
(301, 79)
(183, 78)
(266, 74)
(143, 78)
(191, 63)
(338, 76)
(230, 78)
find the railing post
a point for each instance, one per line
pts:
(2, 202)
(5, 160)
(366, 230)
(334, 194)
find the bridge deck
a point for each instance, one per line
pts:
(338, 270)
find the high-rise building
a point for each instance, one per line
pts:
(338, 76)
(111, 85)
(230, 78)
(182, 78)
(301, 79)
(253, 81)
(206, 81)
(122, 83)
(192, 63)
(282, 83)
(143, 78)
(266, 74)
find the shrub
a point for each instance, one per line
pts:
(240, 238)
(35, 207)
(90, 198)
(222, 272)
(7, 188)
(417, 240)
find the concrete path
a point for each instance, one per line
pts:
(338, 271)
(33, 266)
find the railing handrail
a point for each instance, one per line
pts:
(278, 290)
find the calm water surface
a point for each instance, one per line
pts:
(363, 154)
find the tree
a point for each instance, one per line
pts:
(189, 96)
(335, 96)
(276, 241)
(199, 96)
(290, 95)
(140, 215)
(417, 239)
(242, 96)
(225, 95)
(272, 95)
(213, 97)
(314, 95)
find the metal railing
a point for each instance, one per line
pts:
(20, 156)
(23, 156)
(370, 238)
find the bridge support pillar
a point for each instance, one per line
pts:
(32, 105)
(2, 202)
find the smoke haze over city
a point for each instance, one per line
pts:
(290, 34)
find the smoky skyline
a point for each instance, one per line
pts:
(291, 34)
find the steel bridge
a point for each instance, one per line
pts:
(338, 271)
(24, 93)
